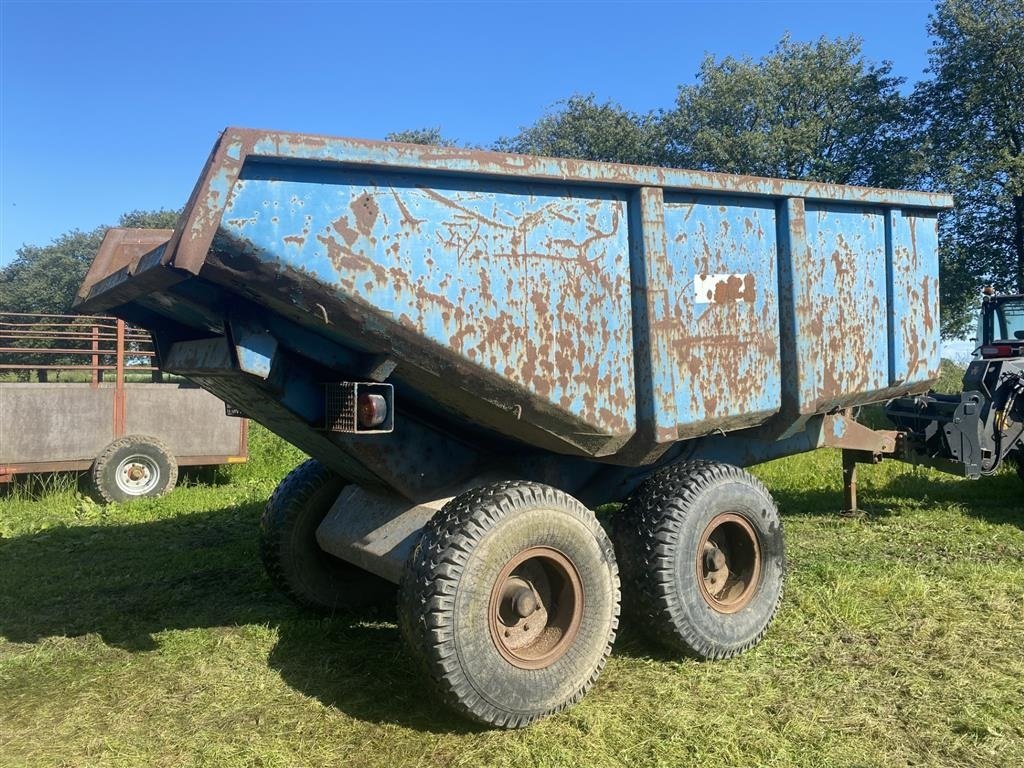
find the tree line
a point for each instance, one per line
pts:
(817, 110)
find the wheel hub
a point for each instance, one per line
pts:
(137, 475)
(536, 607)
(728, 563)
(525, 602)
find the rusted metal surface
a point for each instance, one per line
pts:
(31, 342)
(914, 351)
(840, 297)
(120, 251)
(119, 398)
(528, 282)
(66, 397)
(536, 608)
(859, 306)
(8, 471)
(27, 467)
(236, 146)
(842, 430)
(728, 562)
(849, 482)
(568, 307)
(721, 318)
(656, 428)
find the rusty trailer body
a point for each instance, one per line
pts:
(74, 385)
(574, 324)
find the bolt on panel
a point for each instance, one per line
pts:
(529, 281)
(840, 292)
(722, 307)
(915, 350)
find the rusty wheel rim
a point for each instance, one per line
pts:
(536, 608)
(728, 562)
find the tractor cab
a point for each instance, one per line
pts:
(1000, 326)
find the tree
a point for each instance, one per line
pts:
(974, 113)
(46, 278)
(158, 219)
(429, 136)
(816, 111)
(580, 127)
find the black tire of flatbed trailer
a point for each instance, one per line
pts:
(294, 561)
(487, 564)
(700, 546)
(133, 467)
(1020, 465)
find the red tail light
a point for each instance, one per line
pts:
(1001, 350)
(373, 410)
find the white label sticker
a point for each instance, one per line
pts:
(721, 288)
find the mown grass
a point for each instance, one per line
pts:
(147, 634)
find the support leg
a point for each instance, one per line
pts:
(849, 483)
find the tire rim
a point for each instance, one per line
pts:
(728, 562)
(137, 475)
(536, 608)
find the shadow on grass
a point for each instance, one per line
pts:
(209, 474)
(127, 583)
(998, 499)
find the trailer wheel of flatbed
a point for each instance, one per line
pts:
(510, 602)
(291, 556)
(1020, 465)
(133, 467)
(701, 550)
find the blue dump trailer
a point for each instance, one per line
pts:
(476, 349)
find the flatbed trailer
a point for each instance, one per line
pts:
(479, 348)
(82, 394)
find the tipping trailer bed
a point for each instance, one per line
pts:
(427, 320)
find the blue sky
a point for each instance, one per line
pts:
(109, 107)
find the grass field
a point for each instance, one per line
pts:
(147, 635)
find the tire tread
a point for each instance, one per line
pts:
(431, 578)
(645, 535)
(129, 441)
(290, 500)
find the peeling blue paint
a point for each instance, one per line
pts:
(572, 309)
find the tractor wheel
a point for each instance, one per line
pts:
(702, 557)
(510, 601)
(295, 562)
(134, 467)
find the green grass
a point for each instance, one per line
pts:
(147, 635)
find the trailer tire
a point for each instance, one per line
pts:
(133, 467)
(489, 562)
(294, 561)
(1020, 465)
(682, 539)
